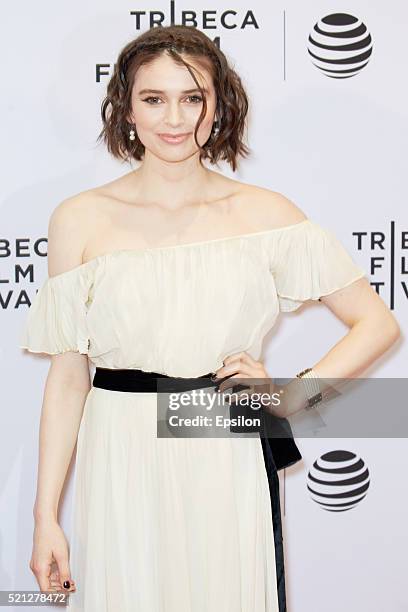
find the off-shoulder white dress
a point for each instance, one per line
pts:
(161, 524)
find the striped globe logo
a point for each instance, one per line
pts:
(340, 45)
(338, 481)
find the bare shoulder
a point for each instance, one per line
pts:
(267, 209)
(69, 227)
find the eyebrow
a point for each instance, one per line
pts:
(159, 91)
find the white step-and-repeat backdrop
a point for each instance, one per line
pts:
(328, 128)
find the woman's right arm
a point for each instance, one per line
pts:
(66, 389)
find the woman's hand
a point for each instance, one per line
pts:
(242, 365)
(49, 559)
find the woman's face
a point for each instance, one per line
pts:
(165, 102)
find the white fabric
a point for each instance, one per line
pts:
(167, 524)
(181, 310)
(176, 525)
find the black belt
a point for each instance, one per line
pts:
(284, 449)
(139, 381)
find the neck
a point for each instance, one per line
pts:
(172, 185)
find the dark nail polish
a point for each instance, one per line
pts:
(66, 584)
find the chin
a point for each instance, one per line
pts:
(175, 155)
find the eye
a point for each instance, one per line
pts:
(151, 98)
(148, 100)
(199, 98)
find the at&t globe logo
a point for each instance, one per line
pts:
(338, 480)
(340, 45)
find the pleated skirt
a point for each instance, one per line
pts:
(168, 524)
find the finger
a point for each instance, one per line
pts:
(227, 361)
(242, 362)
(63, 568)
(58, 586)
(55, 582)
(55, 577)
(226, 384)
(235, 367)
(243, 356)
(238, 396)
(42, 574)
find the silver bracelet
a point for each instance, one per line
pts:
(311, 382)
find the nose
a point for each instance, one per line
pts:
(174, 116)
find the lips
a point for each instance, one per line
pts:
(174, 138)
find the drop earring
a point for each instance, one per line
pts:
(216, 128)
(132, 133)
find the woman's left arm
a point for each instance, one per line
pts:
(373, 329)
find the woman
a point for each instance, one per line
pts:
(174, 273)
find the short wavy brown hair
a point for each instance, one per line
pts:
(232, 101)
